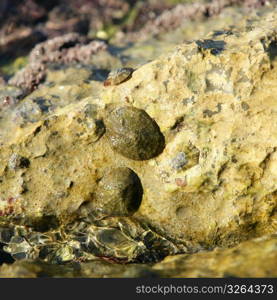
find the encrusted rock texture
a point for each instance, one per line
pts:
(213, 182)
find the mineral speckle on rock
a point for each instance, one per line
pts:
(179, 161)
(133, 133)
(18, 162)
(215, 47)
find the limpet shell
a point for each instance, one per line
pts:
(133, 133)
(119, 193)
(118, 76)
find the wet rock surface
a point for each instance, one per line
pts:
(119, 240)
(250, 259)
(179, 160)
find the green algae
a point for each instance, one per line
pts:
(9, 68)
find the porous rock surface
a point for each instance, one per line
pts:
(215, 182)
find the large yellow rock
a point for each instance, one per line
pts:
(215, 183)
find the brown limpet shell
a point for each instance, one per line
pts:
(119, 192)
(118, 76)
(133, 133)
